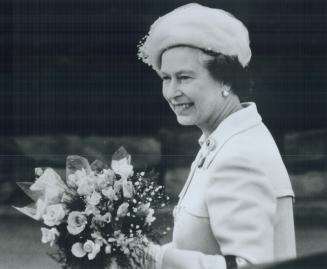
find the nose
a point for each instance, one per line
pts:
(171, 89)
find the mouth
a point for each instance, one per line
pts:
(183, 107)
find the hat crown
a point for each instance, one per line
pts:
(198, 26)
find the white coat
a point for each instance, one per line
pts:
(237, 199)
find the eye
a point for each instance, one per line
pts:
(165, 78)
(184, 78)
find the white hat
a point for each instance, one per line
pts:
(197, 26)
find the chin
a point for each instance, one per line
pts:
(185, 121)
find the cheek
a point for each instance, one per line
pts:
(164, 92)
(205, 105)
(199, 100)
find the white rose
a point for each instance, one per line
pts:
(49, 235)
(54, 214)
(77, 178)
(122, 210)
(123, 167)
(85, 188)
(128, 189)
(110, 194)
(72, 180)
(94, 199)
(76, 222)
(101, 181)
(77, 250)
(80, 175)
(91, 248)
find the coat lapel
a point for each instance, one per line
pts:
(236, 123)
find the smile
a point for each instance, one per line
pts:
(183, 105)
(180, 108)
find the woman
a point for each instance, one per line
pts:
(236, 206)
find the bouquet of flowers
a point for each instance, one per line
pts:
(99, 217)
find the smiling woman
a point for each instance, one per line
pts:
(236, 206)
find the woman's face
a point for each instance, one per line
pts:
(191, 92)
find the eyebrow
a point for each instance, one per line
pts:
(161, 73)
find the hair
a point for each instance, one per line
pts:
(229, 71)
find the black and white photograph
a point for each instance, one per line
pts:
(163, 134)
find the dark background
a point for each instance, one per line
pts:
(70, 66)
(70, 83)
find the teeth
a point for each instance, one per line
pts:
(184, 105)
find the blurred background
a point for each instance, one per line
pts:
(70, 83)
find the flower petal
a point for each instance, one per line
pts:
(77, 250)
(96, 250)
(122, 210)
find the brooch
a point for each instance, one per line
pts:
(210, 145)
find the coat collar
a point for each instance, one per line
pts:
(233, 124)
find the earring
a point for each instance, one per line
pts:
(225, 92)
